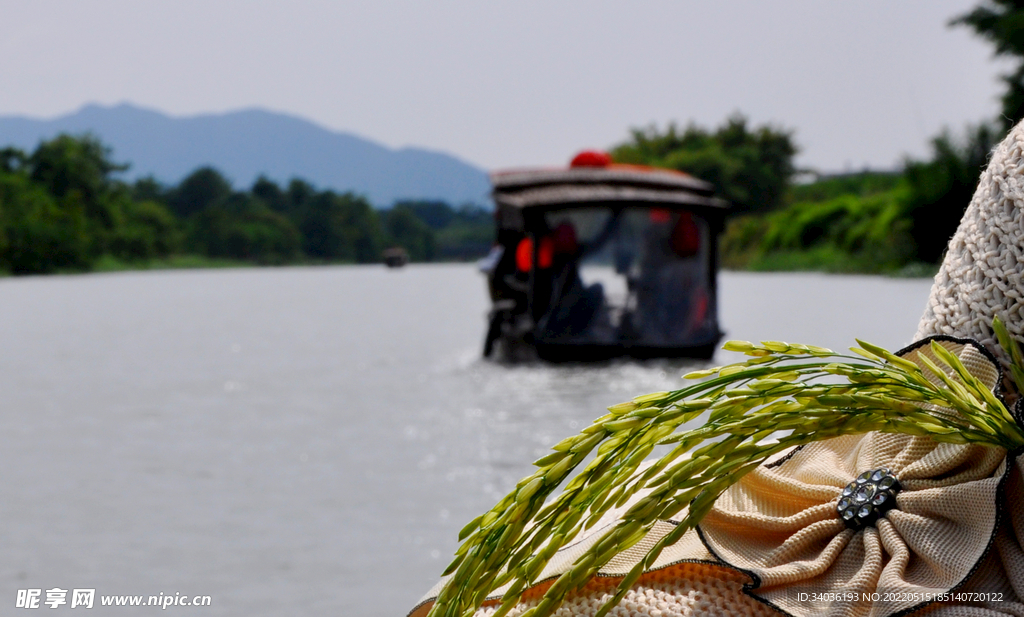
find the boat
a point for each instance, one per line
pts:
(395, 257)
(599, 260)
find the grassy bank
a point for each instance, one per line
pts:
(109, 263)
(856, 223)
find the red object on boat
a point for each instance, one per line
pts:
(565, 242)
(660, 215)
(591, 158)
(686, 236)
(545, 254)
(524, 255)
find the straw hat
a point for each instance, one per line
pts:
(982, 274)
(874, 524)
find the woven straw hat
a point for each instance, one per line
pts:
(776, 542)
(982, 275)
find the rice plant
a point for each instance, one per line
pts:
(783, 395)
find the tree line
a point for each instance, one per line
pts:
(864, 222)
(63, 207)
(856, 222)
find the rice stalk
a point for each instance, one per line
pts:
(783, 395)
(1010, 346)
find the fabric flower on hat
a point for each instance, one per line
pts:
(798, 526)
(781, 525)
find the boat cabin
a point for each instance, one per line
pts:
(599, 260)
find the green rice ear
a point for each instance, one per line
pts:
(1012, 349)
(795, 394)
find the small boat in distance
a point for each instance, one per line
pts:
(395, 257)
(599, 260)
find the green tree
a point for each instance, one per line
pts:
(147, 230)
(1001, 22)
(242, 227)
(95, 209)
(406, 230)
(940, 189)
(267, 191)
(37, 233)
(201, 189)
(435, 214)
(465, 232)
(66, 163)
(76, 171)
(149, 189)
(749, 166)
(300, 194)
(341, 228)
(12, 159)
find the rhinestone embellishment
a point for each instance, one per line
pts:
(868, 498)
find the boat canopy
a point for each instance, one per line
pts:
(583, 186)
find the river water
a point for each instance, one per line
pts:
(300, 441)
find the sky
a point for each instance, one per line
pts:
(507, 84)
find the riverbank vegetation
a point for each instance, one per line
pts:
(63, 209)
(870, 221)
(876, 222)
(889, 222)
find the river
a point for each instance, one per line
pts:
(297, 441)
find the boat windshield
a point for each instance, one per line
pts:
(629, 275)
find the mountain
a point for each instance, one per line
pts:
(244, 144)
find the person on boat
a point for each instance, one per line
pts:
(573, 306)
(672, 298)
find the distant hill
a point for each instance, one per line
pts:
(244, 144)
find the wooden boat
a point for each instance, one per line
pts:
(395, 257)
(600, 260)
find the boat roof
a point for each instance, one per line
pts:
(576, 185)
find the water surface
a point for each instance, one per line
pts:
(305, 440)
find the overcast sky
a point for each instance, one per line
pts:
(502, 84)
